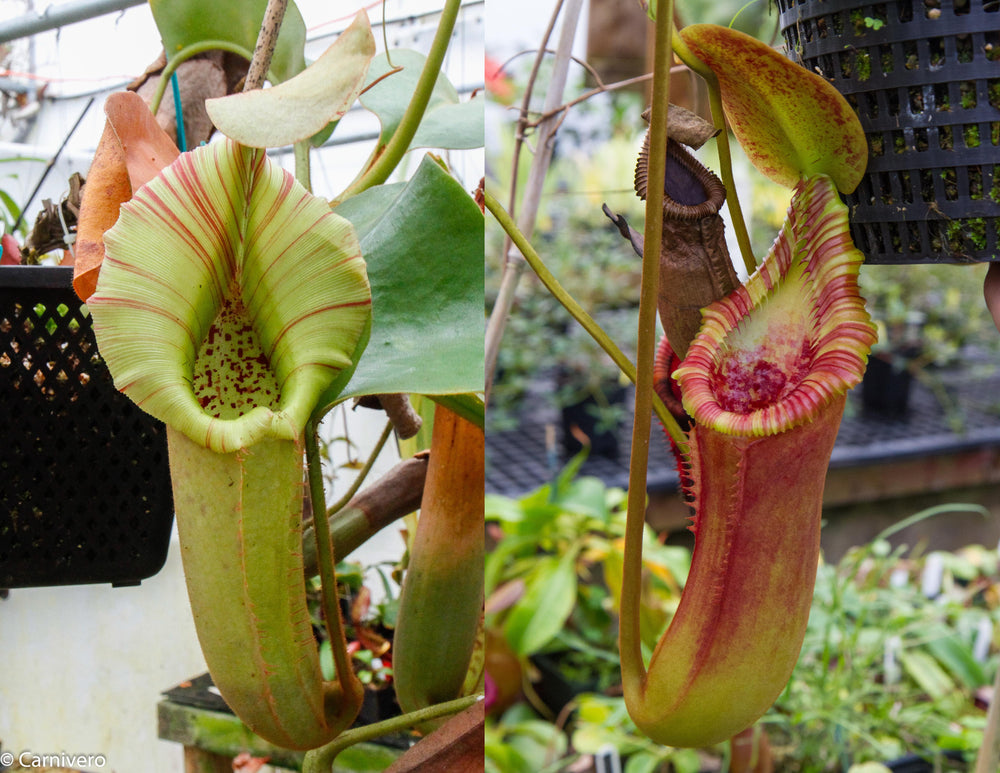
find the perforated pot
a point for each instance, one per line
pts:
(924, 78)
(84, 479)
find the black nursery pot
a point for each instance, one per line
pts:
(924, 79)
(885, 389)
(84, 479)
(581, 419)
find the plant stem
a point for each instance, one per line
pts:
(303, 171)
(267, 39)
(182, 56)
(578, 313)
(388, 158)
(725, 154)
(360, 477)
(394, 495)
(600, 89)
(513, 265)
(321, 760)
(633, 670)
(326, 560)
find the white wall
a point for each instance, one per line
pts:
(82, 668)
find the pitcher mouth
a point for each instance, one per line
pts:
(236, 336)
(775, 352)
(691, 190)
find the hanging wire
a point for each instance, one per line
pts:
(178, 113)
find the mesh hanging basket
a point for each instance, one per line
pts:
(84, 480)
(924, 78)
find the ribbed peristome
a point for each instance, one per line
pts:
(224, 235)
(776, 351)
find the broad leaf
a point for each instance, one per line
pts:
(183, 23)
(546, 606)
(425, 263)
(469, 406)
(302, 106)
(951, 653)
(447, 122)
(230, 298)
(791, 123)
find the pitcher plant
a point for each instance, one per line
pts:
(237, 307)
(753, 403)
(764, 384)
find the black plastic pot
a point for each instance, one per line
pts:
(554, 688)
(914, 763)
(924, 79)
(377, 705)
(885, 388)
(84, 479)
(580, 420)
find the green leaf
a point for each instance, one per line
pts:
(425, 264)
(447, 122)
(567, 475)
(590, 739)
(230, 298)
(643, 762)
(326, 660)
(302, 106)
(945, 646)
(503, 509)
(10, 205)
(497, 560)
(932, 678)
(502, 758)
(469, 406)
(685, 761)
(546, 605)
(366, 209)
(183, 23)
(791, 122)
(538, 742)
(587, 496)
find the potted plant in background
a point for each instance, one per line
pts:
(548, 363)
(369, 630)
(932, 325)
(905, 641)
(591, 393)
(552, 585)
(555, 375)
(897, 656)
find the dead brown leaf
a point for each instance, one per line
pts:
(132, 151)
